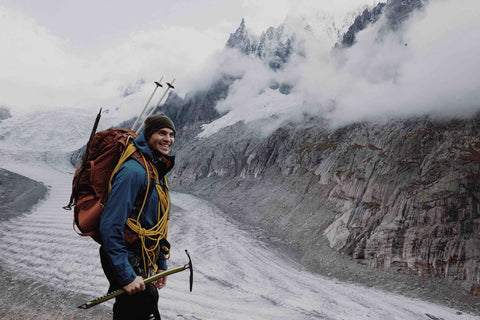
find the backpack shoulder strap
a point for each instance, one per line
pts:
(130, 148)
(144, 193)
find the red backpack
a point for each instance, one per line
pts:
(106, 152)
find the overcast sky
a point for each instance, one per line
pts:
(89, 24)
(69, 53)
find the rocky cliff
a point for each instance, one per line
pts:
(394, 12)
(18, 194)
(402, 195)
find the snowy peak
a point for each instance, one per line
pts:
(274, 47)
(242, 40)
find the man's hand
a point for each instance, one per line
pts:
(135, 286)
(160, 283)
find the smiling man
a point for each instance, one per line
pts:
(134, 224)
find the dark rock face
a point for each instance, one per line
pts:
(395, 12)
(4, 113)
(403, 195)
(18, 194)
(196, 109)
(77, 155)
(361, 22)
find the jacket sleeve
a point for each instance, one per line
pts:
(125, 186)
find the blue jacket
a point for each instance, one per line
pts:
(127, 183)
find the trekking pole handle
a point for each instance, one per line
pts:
(160, 275)
(157, 84)
(169, 86)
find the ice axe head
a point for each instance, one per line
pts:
(190, 266)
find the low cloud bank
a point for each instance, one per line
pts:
(42, 71)
(428, 66)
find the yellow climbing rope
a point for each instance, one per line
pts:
(160, 230)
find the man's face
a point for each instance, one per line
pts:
(162, 140)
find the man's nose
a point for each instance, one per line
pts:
(168, 139)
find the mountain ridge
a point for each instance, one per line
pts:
(381, 201)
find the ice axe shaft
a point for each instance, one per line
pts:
(160, 275)
(84, 159)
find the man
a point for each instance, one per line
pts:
(128, 255)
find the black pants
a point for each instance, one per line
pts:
(140, 306)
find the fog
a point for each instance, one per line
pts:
(429, 66)
(42, 71)
(91, 55)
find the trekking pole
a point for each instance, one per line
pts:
(157, 84)
(84, 158)
(169, 86)
(163, 274)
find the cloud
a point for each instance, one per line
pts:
(49, 62)
(429, 66)
(42, 71)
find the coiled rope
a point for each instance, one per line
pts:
(158, 231)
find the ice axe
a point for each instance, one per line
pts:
(163, 274)
(84, 160)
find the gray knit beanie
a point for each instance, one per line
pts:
(157, 122)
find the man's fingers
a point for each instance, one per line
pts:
(135, 286)
(161, 283)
